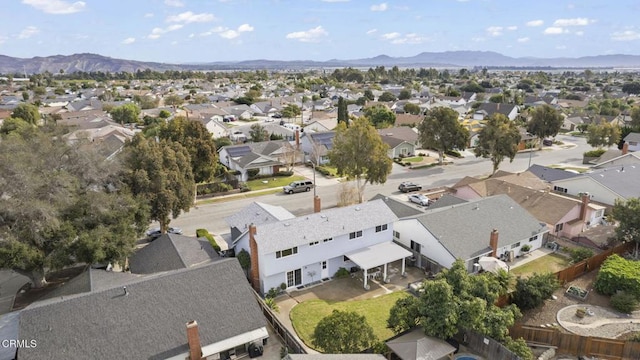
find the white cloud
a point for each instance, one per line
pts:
(372, 31)
(554, 30)
(494, 30)
(627, 35)
(311, 35)
(56, 6)
(189, 17)
(28, 32)
(512, 28)
(174, 3)
(229, 34)
(579, 33)
(523, 39)
(391, 36)
(148, 15)
(245, 28)
(534, 23)
(573, 22)
(380, 7)
(191, 35)
(129, 40)
(157, 32)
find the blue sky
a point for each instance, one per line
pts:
(181, 31)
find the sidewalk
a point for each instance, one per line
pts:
(320, 180)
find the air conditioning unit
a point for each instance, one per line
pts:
(476, 267)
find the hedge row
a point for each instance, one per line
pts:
(266, 176)
(205, 234)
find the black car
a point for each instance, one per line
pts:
(406, 187)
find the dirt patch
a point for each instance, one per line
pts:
(547, 313)
(27, 295)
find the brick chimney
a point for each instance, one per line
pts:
(253, 249)
(625, 148)
(193, 340)
(493, 242)
(316, 204)
(584, 205)
(297, 139)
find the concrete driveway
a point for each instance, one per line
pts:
(10, 283)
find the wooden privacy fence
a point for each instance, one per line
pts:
(577, 344)
(290, 341)
(592, 263)
(487, 347)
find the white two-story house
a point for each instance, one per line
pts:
(494, 226)
(307, 249)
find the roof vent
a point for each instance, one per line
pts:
(358, 208)
(286, 224)
(126, 292)
(323, 216)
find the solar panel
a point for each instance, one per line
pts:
(238, 151)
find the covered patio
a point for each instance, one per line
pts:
(370, 258)
(415, 345)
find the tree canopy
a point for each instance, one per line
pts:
(380, 116)
(343, 115)
(61, 205)
(160, 173)
(343, 332)
(545, 121)
(257, 133)
(412, 108)
(497, 140)
(125, 114)
(27, 112)
(627, 213)
(358, 152)
(386, 96)
(602, 135)
(440, 130)
(173, 100)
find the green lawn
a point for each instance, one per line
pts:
(306, 315)
(547, 263)
(413, 159)
(279, 181)
(574, 168)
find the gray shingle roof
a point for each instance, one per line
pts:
(550, 174)
(446, 200)
(257, 213)
(171, 252)
(464, 229)
(401, 210)
(334, 357)
(634, 137)
(620, 179)
(317, 226)
(149, 323)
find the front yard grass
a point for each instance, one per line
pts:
(413, 159)
(306, 315)
(548, 263)
(272, 182)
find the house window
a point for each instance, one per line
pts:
(355, 234)
(415, 246)
(381, 227)
(599, 213)
(559, 227)
(559, 189)
(327, 239)
(396, 234)
(515, 245)
(314, 243)
(324, 265)
(533, 238)
(294, 278)
(286, 252)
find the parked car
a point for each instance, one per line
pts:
(419, 199)
(406, 187)
(155, 232)
(298, 186)
(547, 142)
(277, 116)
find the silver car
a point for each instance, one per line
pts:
(298, 186)
(419, 199)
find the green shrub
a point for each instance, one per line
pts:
(635, 337)
(617, 273)
(594, 153)
(272, 293)
(520, 348)
(525, 248)
(215, 187)
(323, 170)
(278, 174)
(205, 234)
(579, 254)
(624, 302)
(252, 173)
(271, 303)
(453, 153)
(533, 291)
(341, 273)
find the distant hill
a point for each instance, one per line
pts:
(94, 62)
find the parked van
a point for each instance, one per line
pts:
(298, 186)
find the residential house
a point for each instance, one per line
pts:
(408, 120)
(398, 147)
(109, 139)
(241, 111)
(83, 105)
(548, 174)
(622, 158)
(266, 157)
(486, 110)
(316, 146)
(256, 213)
(415, 345)
(494, 226)
(571, 123)
(321, 125)
(451, 100)
(216, 127)
(311, 248)
(404, 133)
(206, 312)
(527, 140)
(633, 139)
(604, 185)
(334, 357)
(472, 188)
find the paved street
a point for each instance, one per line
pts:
(212, 216)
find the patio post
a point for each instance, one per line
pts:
(384, 277)
(365, 279)
(403, 273)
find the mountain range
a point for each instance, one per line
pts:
(448, 59)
